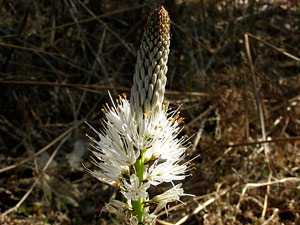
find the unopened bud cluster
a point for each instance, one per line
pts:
(149, 81)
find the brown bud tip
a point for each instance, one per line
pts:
(159, 21)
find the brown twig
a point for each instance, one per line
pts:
(102, 87)
(109, 29)
(273, 46)
(32, 49)
(201, 44)
(81, 21)
(290, 139)
(262, 121)
(36, 180)
(43, 149)
(202, 115)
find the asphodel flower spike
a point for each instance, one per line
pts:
(139, 145)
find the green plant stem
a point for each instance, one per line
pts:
(138, 205)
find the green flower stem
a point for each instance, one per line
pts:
(139, 166)
(138, 206)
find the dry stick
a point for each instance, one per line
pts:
(271, 218)
(283, 52)
(32, 49)
(290, 139)
(69, 24)
(205, 204)
(214, 196)
(269, 183)
(202, 45)
(247, 127)
(80, 21)
(252, 71)
(198, 136)
(201, 115)
(64, 58)
(36, 180)
(290, 101)
(263, 214)
(94, 18)
(163, 222)
(274, 47)
(21, 200)
(261, 115)
(80, 86)
(21, 29)
(43, 149)
(97, 56)
(108, 28)
(183, 205)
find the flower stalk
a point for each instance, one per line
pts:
(138, 207)
(139, 146)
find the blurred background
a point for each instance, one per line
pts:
(234, 64)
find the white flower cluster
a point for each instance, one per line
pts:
(123, 142)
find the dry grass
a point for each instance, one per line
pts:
(241, 100)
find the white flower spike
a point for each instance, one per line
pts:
(139, 144)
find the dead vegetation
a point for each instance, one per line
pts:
(234, 65)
